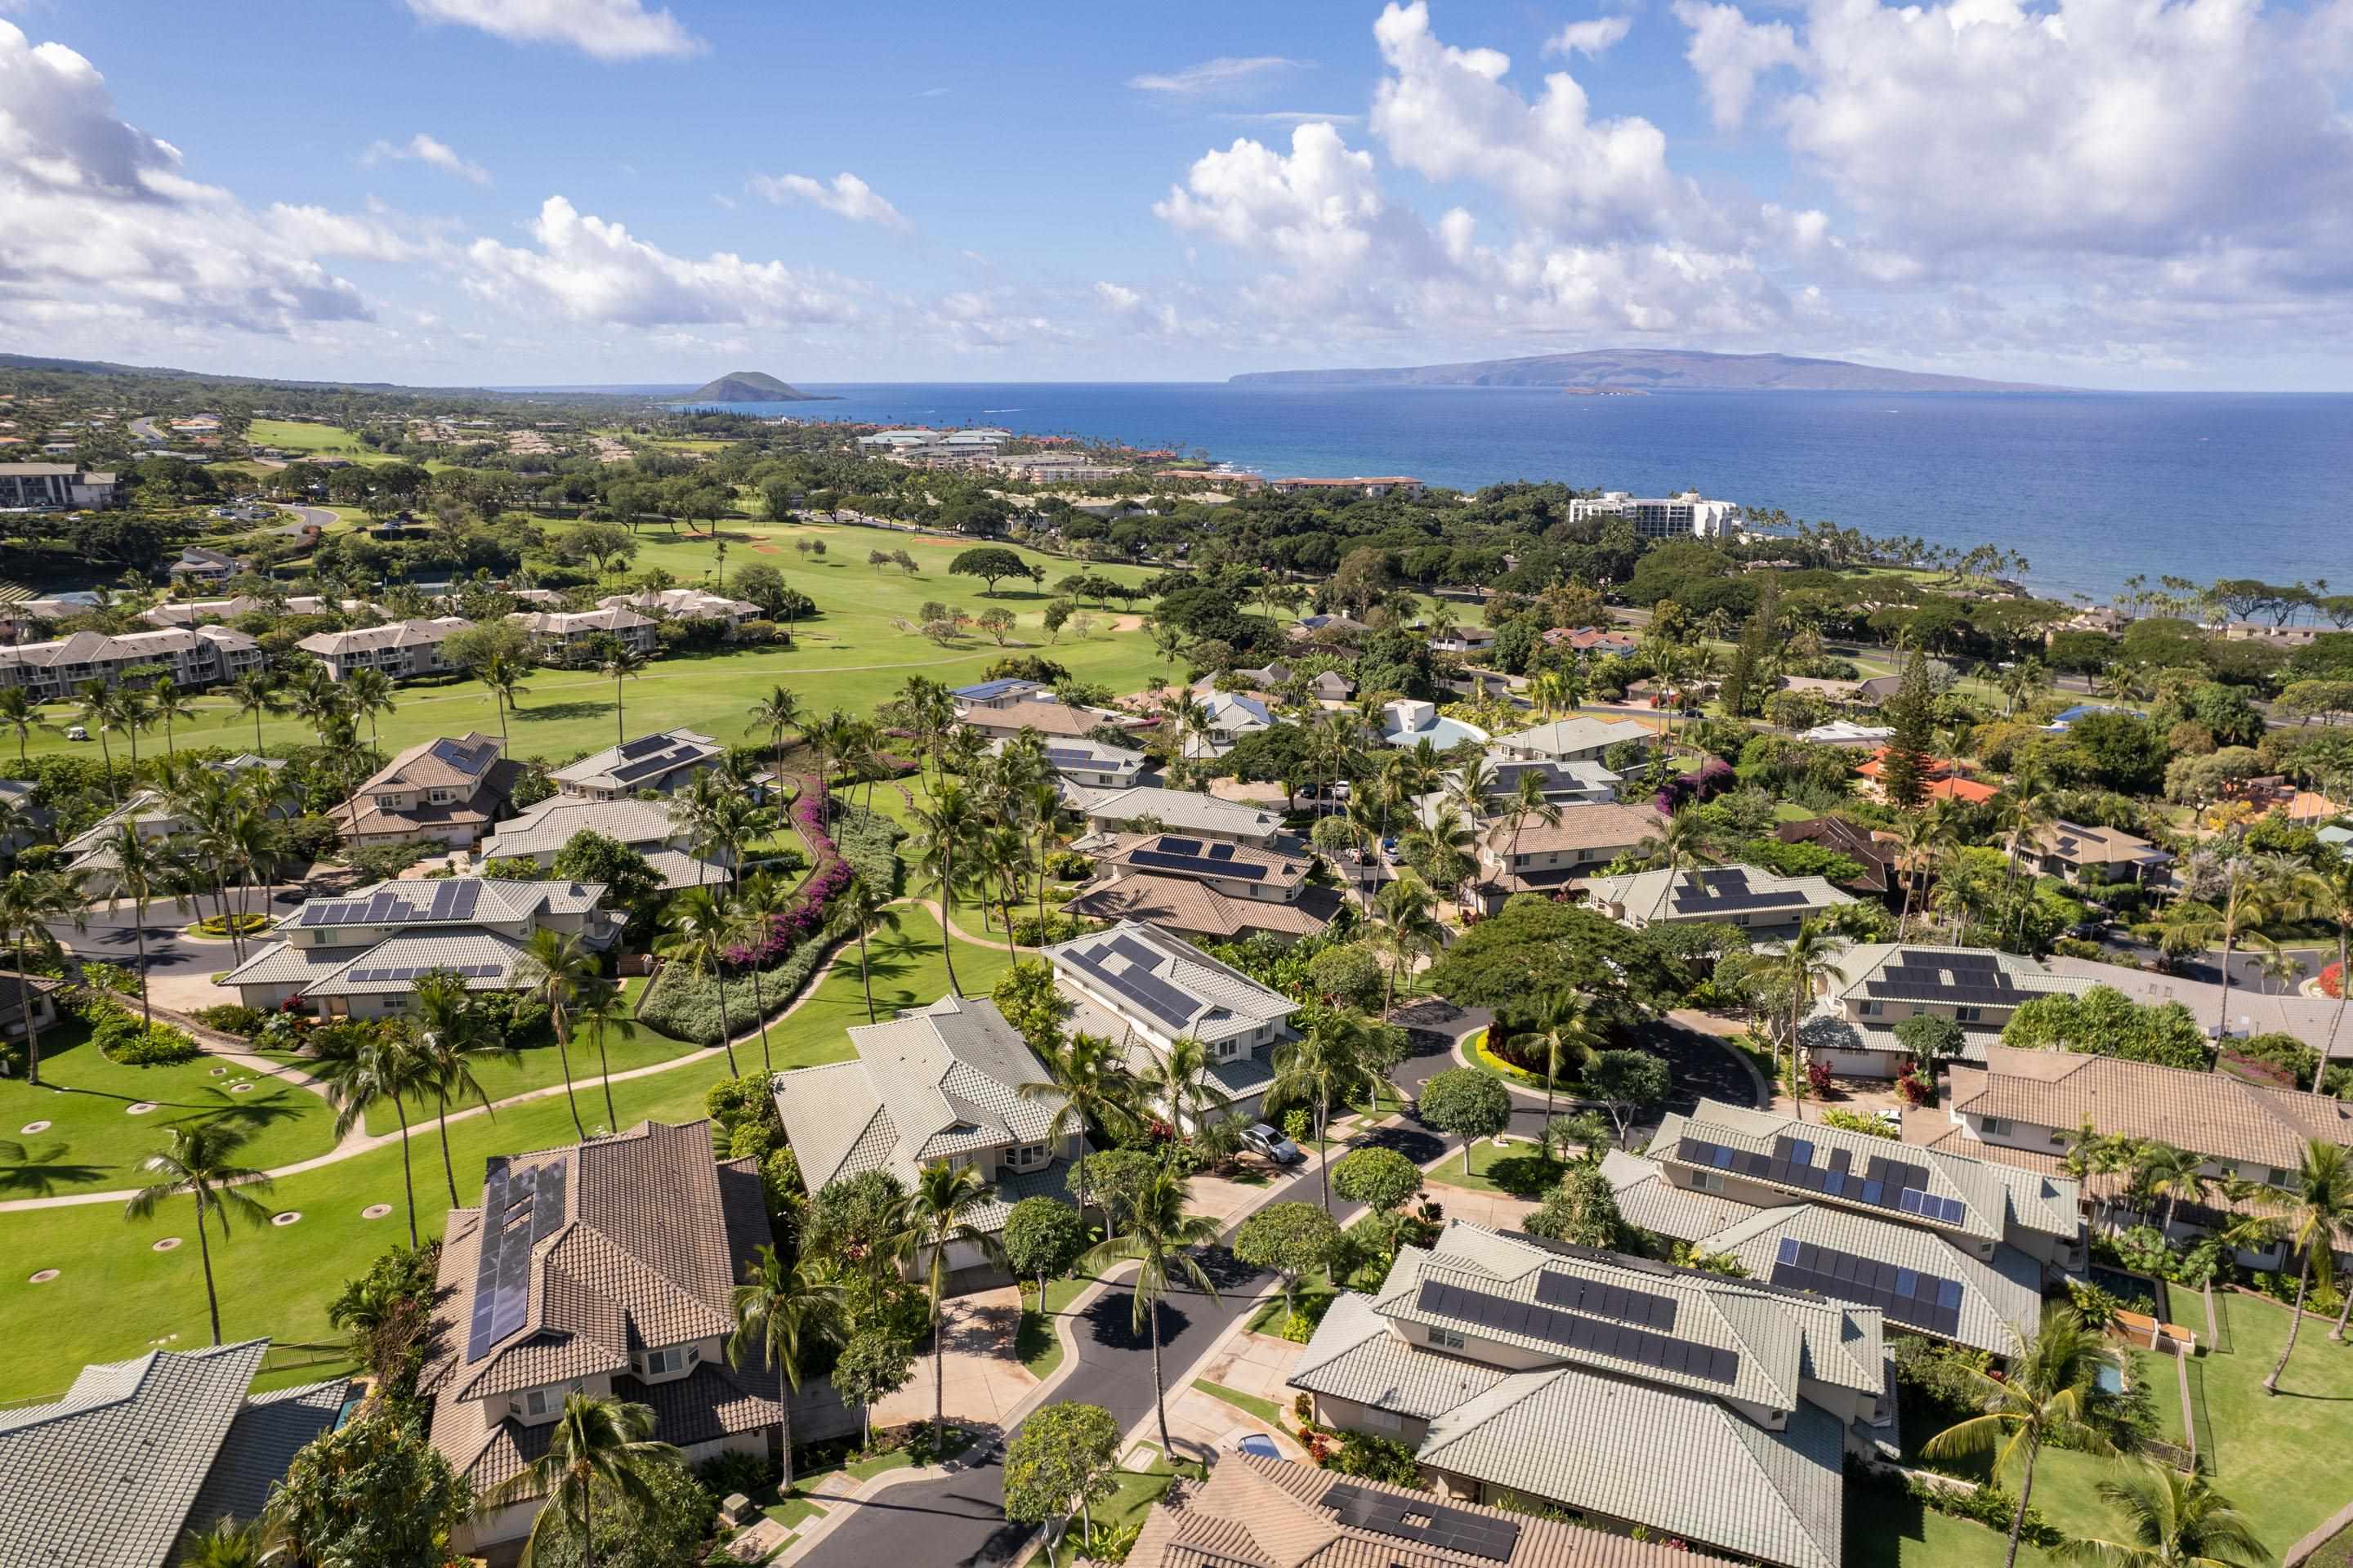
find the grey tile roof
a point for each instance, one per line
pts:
(261, 1443)
(1860, 964)
(104, 1478)
(1355, 1356)
(669, 751)
(465, 945)
(1178, 810)
(420, 632)
(2311, 1019)
(548, 826)
(1690, 894)
(1223, 1002)
(1647, 1199)
(1583, 733)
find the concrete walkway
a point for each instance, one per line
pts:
(982, 1378)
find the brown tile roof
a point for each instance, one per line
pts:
(1595, 826)
(1046, 718)
(1195, 908)
(443, 763)
(2215, 1114)
(1266, 1513)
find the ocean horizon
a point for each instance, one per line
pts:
(2090, 487)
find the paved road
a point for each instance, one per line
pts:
(111, 936)
(317, 515)
(2246, 968)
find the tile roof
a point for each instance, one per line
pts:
(1597, 824)
(1223, 1002)
(1862, 964)
(1276, 869)
(1356, 1356)
(1056, 719)
(2089, 845)
(1179, 810)
(548, 826)
(1646, 1199)
(1583, 733)
(463, 762)
(563, 623)
(2215, 1113)
(262, 1442)
(1699, 893)
(2311, 1019)
(640, 762)
(414, 633)
(1179, 903)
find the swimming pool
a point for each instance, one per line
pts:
(1258, 1443)
(2111, 1379)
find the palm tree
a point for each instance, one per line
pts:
(2246, 899)
(503, 677)
(386, 1067)
(600, 1452)
(1088, 1078)
(1563, 1028)
(1161, 1230)
(142, 866)
(776, 713)
(1411, 927)
(1527, 803)
(1324, 1067)
(99, 707)
(939, 1215)
(601, 1008)
(2045, 1396)
(947, 826)
(2319, 1215)
(619, 661)
(1045, 806)
(1917, 841)
(862, 910)
(700, 931)
(451, 1035)
(1179, 1079)
(778, 1305)
(29, 900)
(256, 693)
(136, 716)
(2173, 1173)
(2172, 1520)
(170, 702)
(199, 1158)
(369, 693)
(756, 908)
(1809, 959)
(19, 711)
(226, 1544)
(561, 969)
(1443, 843)
(997, 856)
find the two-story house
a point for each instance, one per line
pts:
(1878, 985)
(1723, 1410)
(943, 1083)
(1111, 813)
(570, 636)
(539, 832)
(437, 791)
(1227, 716)
(1052, 719)
(403, 649)
(1553, 858)
(664, 763)
(606, 1268)
(1579, 739)
(1205, 887)
(2093, 855)
(360, 955)
(1089, 763)
(1137, 986)
(188, 657)
(90, 853)
(1001, 693)
(209, 568)
(1755, 900)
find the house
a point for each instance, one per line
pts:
(1851, 1029)
(570, 636)
(403, 649)
(1325, 686)
(1719, 1412)
(1563, 784)
(359, 955)
(1464, 640)
(53, 486)
(1947, 779)
(204, 656)
(1593, 642)
(1760, 902)
(1051, 718)
(1203, 888)
(136, 1455)
(1342, 628)
(2093, 855)
(437, 792)
(2245, 1012)
(1846, 732)
(2024, 1109)
(21, 993)
(2063, 721)
(1136, 985)
(90, 853)
(1981, 1207)
(1921, 1283)
(664, 763)
(539, 832)
(1582, 738)
(684, 604)
(939, 1083)
(1227, 717)
(1878, 689)
(1254, 1510)
(198, 565)
(1552, 858)
(1377, 485)
(1089, 762)
(1859, 844)
(997, 694)
(1407, 723)
(607, 1267)
(1109, 812)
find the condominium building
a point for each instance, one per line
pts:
(51, 486)
(202, 656)
(684, 604)
(570, 635)
(1685, 516)
(403, 649)
(1553, 858)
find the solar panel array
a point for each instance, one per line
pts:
(1418, 1518)
(1645, 1309)
(452, 900)
(1884, 1183)
(644, 745)
(1928, 1302)
(416, 971)
(1137, 984)
(1726, 891)
(658, 763)
(520, 1209)
(1574, 1331)
(465, 758)
(1977, 980)
(1190, 854)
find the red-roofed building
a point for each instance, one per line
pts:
(1947, 779)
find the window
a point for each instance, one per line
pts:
(1380, 1420)
(538, 1401)
(1871, 1009)
(439, 797)
(661, 1362)
(1967, 1014)
(1708, 1181)
(1996, 1126)
(2280, 1178)
(1446, 1339)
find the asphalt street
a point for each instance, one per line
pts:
(110, 936)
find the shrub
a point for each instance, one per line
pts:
(868, 839)
(230, 1018)
(384, 861)
(685, 1005)
(1348, 973)
(1857, 1121)
(128, 1042)
(735, 1471)
(1377, 1458)
(2287, 1057)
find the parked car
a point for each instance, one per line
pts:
(1262, 1140)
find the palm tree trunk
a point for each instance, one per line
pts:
(587, 1531)
(785, 1428)
(25, 1005)
(407, 1177)
(604, 1070)
(139, 935)
(2222, 1024)
(448, 1172)
(563, 1060)
(726, 1030)
(939, 1372)
(760, 1006)
(1323, 1169)
(205, 1250)
(2025, 1490)
(1159, 1384)
(947, 918)
(1011, 954)
(2295, 1322)
(865, 974)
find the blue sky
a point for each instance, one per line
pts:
(522, 191)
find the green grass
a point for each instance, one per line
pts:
(1138, 1491)
(849, 657)
(542, 1067)
(1035, 1341)
(115, 1296)
(1266, 1410)
(1516, 1170)
(1268, 1319)
(86, 1099)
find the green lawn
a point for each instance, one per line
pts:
(1266, 1410)
(540, 1067)
(1040, 1348)
(1268, 1320)
(1518, 1170)
(1138, 1490)
(298, 436)
(86, 1100)
(114, 1297)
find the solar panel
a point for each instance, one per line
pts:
(1156, 996)
(478, 1337)
(1910, 1297)
(1884, 1183)
(463, 902)
(1133, 951)
(1221, 852)
(631, 750)
(1179, 846)
(1574, 1331)
(1197, 863)
(1579, 1294)
(1418, 1518)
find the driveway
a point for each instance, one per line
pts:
(113, 936)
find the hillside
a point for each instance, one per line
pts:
(750, 386)
(1649, 370)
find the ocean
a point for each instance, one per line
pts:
(2092, 488)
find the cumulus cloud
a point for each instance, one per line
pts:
(1730, 52)
(1220, 75)
(427, 149)
(1590, 39)
(849, 196)
(596, 271)
(105, 226)
(607, 29)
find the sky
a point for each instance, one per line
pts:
(2098, 193)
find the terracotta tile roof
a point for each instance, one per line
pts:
(1178, 903)
(2215, 1114)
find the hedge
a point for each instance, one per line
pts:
(685, 1005)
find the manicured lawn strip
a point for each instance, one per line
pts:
(1138, 1491)
(1516, 1170)
(115, 1295)
(1039, 1347)
(86, 1099)
(1266, 1410)
(540, 1067)
(1885, 1529)
(1269, 1319)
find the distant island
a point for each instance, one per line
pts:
(752, 386)
(1648, 370)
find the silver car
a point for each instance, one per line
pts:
(1261, 1140)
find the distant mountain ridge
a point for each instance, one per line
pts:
(752, 386)
(1649, 370)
